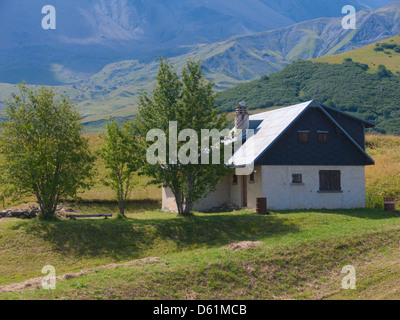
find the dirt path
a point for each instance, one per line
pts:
(36, 283)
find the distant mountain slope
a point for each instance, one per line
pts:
(113, 90)
(246, 57)
(93, 33)
(238, 59)
(384, 52)
(348, 86)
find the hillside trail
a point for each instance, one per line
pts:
(36, 283)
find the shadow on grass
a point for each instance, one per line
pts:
(373, 214)
(134, 238)
(111, 206)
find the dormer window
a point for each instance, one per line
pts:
(304, 136)
(323, 136)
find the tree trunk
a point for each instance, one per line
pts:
(188, 208)
(179, 203)
(188, 200)
(47, 210)
(46, 213)
(121, 207)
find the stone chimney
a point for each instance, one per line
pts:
(242, 117)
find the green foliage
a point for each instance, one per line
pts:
(347, 86)
(120, 154)
(387, 46)
(190, 102)
(380, 188)
(42, 149)
(383, 72)
(390, 46)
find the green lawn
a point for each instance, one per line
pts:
(301, 256)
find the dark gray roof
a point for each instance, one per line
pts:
(270, 125)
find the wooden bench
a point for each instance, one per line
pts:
(75, 216)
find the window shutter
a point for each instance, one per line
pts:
(330, 180)
(297, 178)
(322, 137)
(335, 181)
(324, 181)
(304, 136)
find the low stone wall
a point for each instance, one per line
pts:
(20, 213)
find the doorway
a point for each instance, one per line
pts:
(244, 191)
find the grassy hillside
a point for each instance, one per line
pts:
(349, 86)
(289, 263)
(383, 52)
(301, 255)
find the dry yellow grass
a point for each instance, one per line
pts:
(141, 191)
(384, 149)
(383, 179)
(368, 56)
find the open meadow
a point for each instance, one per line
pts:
(300, 255)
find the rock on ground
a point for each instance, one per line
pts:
(244, 245)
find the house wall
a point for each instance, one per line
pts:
(275, 183)
(281, 194)
(215, 199)
(226, 192)
(235, 191)
(254, 190)
(168, 200)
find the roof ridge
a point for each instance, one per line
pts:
(273, 126)
(278, 109)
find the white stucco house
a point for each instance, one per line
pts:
(306, 156)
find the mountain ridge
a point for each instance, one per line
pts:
(363, 82)
(113, 90)
(243, 58)
(88, 32)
